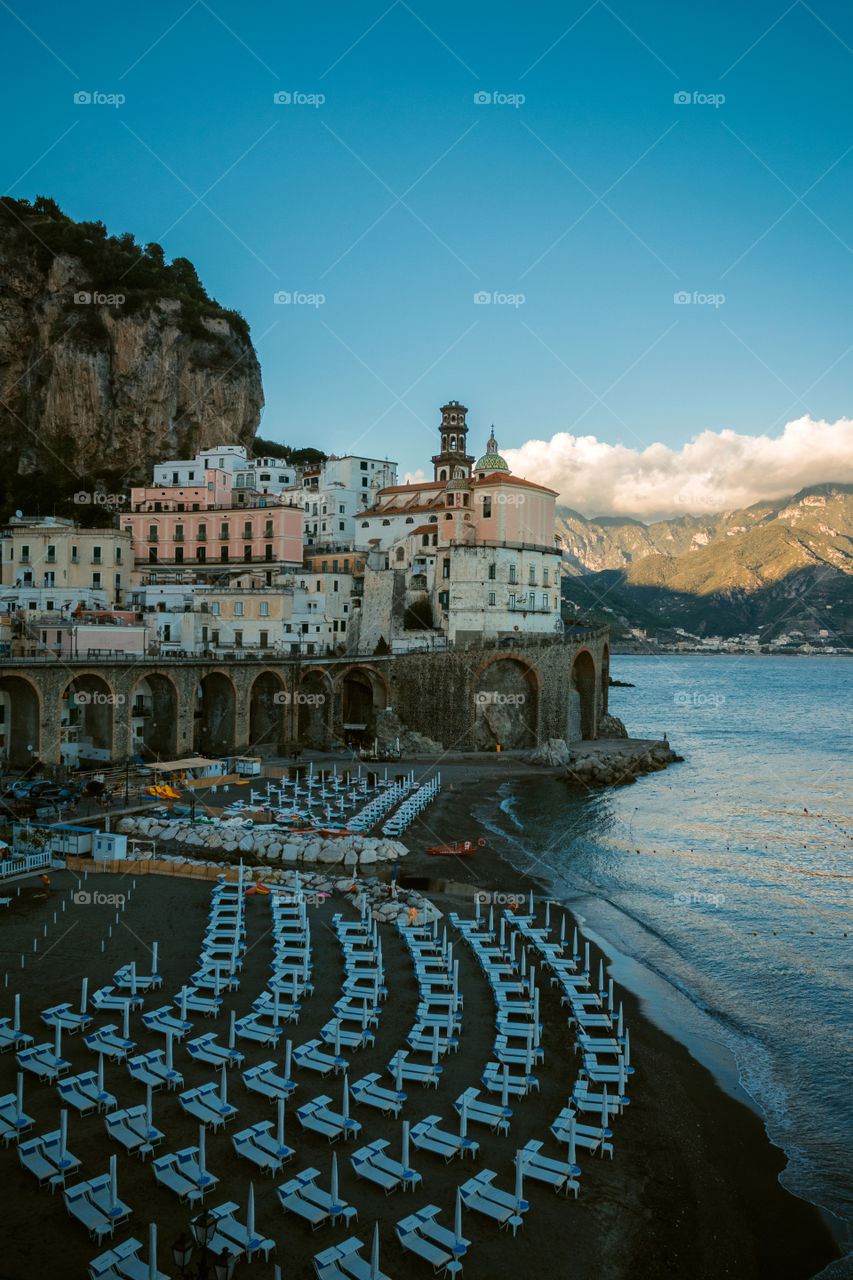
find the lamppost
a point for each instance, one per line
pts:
(203, 1230)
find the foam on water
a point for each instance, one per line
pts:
(753, 833)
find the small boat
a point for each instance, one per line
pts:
(462, 848)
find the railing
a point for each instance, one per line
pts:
(24, 863)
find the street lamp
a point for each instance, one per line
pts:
(203, 1230)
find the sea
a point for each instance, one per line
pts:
(722, 887)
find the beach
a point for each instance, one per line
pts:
(691, 1190)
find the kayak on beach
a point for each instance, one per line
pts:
(462, 848)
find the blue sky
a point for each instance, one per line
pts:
(400, 198)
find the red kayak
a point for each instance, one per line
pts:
(462, 849)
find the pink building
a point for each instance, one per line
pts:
(202, 528)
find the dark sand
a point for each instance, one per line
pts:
(692, 1190)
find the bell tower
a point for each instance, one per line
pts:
(453, 460)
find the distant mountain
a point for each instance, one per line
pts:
(769, 568)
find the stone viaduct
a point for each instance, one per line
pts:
(466, 698)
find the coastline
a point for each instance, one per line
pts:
(711, 1196)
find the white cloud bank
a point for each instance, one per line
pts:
(717, 471)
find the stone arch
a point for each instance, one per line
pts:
(363, 693)
(154, 709)
(87, 720)
(267, 713)
(214, 716)
(506, 697)
(314, 702)
(582, 687)
(20, 725)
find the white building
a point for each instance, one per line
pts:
(336, 492)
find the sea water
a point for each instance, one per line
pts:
(724, 885)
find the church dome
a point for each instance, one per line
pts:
(457, 484)
(491, 459)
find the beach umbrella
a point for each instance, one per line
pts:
(183, 1004)
(619, 1030)
(548, 914)
(457, 1217)
(610, 995)
(505, 1086)
(84, 994)
(621, 1081)
(19, 1098)
(133, 977)
(627, 1050)
(16, 1021)
(232, 1030)
(276, 1011)
(528, 1064)
(503, 933)
(337, 1037)
(113, 1183)
(524, 962)
(374, 1255)
(63, 1136)
(154, 949)
(463, 1118)
(345, 1104)
(334, 1189)
(586, 957)
(398, 1071)
(57, 1039)
(223, 1086)
(562, 931)
(604, 1109)
(125, 1021)
(100, 1073)
(152, 1251)
(435, 1044)
(519, 1180)
(572, 1139)
(149, 1109)
(531, 911)
(600, 976)
(536, 1007)
(405, 1152)
(449, 1021)
(288, 1052)
(512, 943)
(575, 941)
(202, 1168)
(279, 1133)
(491, 919)
(169, 1052)
(216, 983)
(250, 1212)
(476, 906)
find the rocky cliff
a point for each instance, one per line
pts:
(110, 359)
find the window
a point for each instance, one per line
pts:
(492, 572)
(512, 599)
(247, 530)
(202, 533)
(444, 599)
(223, 554)
(247, 551)
(268, 551)
(346, 566)
(179, 533)
(512, 573)
(268, 529)
(325, 566)
(545, 577)
(152, 555)
(334, 584)
(445, 568)
(238, 608)
(265, 608)
(214, 638)
(491, 597)
(224, 533)
(546, 601)
(341, 526)
(167, 631)
(201, 554)
(449, 515)
(487, 507)
(75, 555)
(363, 466)
(365, 524)
(96, 555)
(531, 576)
(343, 626)
(364, 482)
(265, 475)
(179, 555)
(238, 639)
(264, 639)
(334, 566)
(214, 607)
(51, 553)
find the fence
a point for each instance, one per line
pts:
(23, 863)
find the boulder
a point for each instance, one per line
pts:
(611, 727)
(367, 857)
(554, 752)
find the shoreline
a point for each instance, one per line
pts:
(715, 1089)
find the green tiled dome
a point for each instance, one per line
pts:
(491, 459)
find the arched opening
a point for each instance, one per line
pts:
(583, 696)
(314, 709)
(267, 707)
(154, 718)
(86, 716)
(506, 705)
(20, 722)
(214, 715)
(363, 694)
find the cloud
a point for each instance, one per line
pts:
(716, 471)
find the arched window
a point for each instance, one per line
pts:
(410, 519)
(386, 522)
(400, 553)
(453, 444)
(424, 539)
(365, 524)
(442, 475)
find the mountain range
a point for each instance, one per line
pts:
(768, 570)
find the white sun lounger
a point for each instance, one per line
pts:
(79, 1205)
(167, 1174)
(263, 1079)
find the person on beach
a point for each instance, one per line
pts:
(45, 879)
